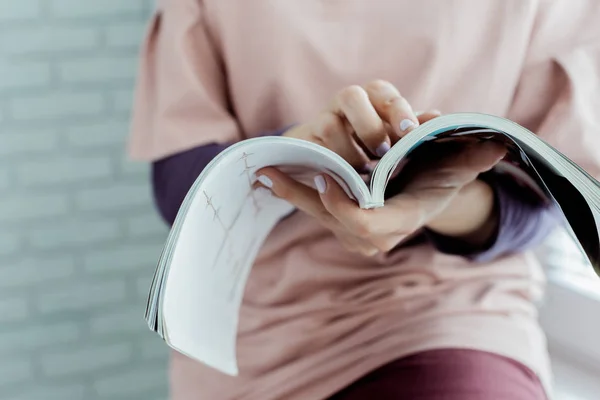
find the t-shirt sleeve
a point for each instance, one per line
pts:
(558, 98)
(558, 95)
(181, 97)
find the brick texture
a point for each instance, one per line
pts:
(10, 242)
(28, 271)
(89, 358)
(94, 135)
(98, 69)
(21, 75)
(37, 338)
(18, 144)
(78, 9)
(136, 383)
(15, 371)
(46, 39)
(79, 235)
(4, 183)
(14, 308)
(57, 105)
(17, 11)
(16, 208)
(52, 392)
(128, 34)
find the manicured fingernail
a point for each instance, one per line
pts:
(265, 181)
(382, 149)
(405, 124)
(320, 184)
(263, 191)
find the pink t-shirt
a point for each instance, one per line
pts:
(316, 317)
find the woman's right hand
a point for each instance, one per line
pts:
(362, 120)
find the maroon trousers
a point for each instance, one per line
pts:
(449, 374)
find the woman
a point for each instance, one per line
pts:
(432, 296)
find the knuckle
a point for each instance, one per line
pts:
(379, 85)
(397, 105)
(401, 103)
(397, 102)
(328, 126)
(370, 251)
(329, 131)
(363, 229)
(388, 245)
(325, 119)
(353, 94)
(383, 246)
(391, 104)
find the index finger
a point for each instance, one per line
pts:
(353, 104)
(392, 107)
(296, 193)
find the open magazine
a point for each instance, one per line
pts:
(197, 289)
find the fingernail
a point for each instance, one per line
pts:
(265, 181)
(405, 124)
(382, 149)
(320, 184)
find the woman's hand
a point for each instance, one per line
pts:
(441, 194)
(362, 122)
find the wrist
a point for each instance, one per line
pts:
(471, 217)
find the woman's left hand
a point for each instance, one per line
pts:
(444, 195)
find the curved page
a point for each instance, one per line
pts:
(216, 237)
(575, 191)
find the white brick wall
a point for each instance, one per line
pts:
(125, 34)
(19, 10)
(17, 144)
(41, 338)
(78, 8)
(56, 105)
(79, 237)
(99, 69)
(44, 40)
(24, 74)
(15, 208)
